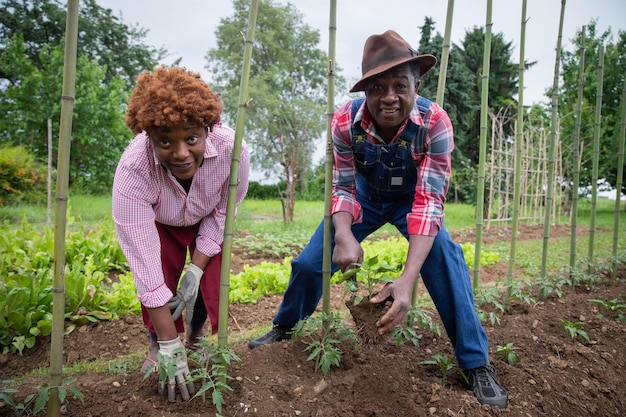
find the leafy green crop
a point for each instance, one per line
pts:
(26, 283)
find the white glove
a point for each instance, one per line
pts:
(173, 370)
(186, 294)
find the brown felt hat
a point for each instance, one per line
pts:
(385, 51)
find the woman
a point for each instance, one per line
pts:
(169, 196)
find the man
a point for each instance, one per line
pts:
(392, 165)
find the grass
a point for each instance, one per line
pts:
(265, 216)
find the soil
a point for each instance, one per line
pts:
(557, 375)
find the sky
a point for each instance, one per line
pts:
(186, 28)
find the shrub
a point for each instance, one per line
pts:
(22, 180)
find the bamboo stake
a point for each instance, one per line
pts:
(49, 187)
(243, 103)
(596, 154)
(483, 145)
(576, 155)
(63, 168)
(519, 139)
(618, 183)
(330, 107)
(445, 53)
(551, 146)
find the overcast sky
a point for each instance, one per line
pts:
(186, 28)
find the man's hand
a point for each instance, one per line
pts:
(186, 294)
(400, 292)
(347, 252)
(173, 370)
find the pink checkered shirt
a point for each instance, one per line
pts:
(144, 193)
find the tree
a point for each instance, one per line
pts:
(110, 56)
(103, 37)
(503, 85)
(614, 73)
(287, 86)
(98, 130)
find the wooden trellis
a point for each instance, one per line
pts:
(501, 170)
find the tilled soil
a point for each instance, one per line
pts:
(557, 375)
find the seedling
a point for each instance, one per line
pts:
(402, 333)
(575, 329)
(212, 373)
(614, 306)
(446, 365)
(508, 353)
(35, 403)
(369, 272)
(323, 333)
(405, 333)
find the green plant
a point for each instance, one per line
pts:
(405, 333)
(614, 306)
(370, 272)
(575, 329)
(323, 332)
(552, 284)
(446, 365)
(213, 372)
(508, 353)
(488, 296)
(36, 402)
(402, 333)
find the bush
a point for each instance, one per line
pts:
(22, 180)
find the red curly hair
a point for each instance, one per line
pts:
(171, 96)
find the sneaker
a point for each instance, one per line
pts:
(482, 381)
(276, 334)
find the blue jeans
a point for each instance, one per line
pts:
(445, 275)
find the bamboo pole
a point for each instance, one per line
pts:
(551, 147)
(330, 108)
(519, 144)
(618, 182)
(49, 187)
(63, 168)
(445, 53)
(243, 103)
(483, 145)
(596, 155)
(576, 155)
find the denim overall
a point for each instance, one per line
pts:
(385, 190)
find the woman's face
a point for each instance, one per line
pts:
(180, 148)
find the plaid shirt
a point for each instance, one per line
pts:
(432, 163)
(144, 193)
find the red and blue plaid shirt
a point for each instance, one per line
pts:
(433, 165)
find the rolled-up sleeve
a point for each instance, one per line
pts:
(433, 176)
(344, 167)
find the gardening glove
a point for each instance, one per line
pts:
(174, 371)
(186, 294)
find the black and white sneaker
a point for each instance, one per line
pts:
(487, 390)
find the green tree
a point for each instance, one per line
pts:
(103, 37)
(459, 98)
(503, 86)
(286, 116)
(98, 131)
(614, 73)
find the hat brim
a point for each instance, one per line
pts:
(426, 62)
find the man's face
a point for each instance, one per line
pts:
(390, 98)
(180, 148)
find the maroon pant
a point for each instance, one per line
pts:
(174, 244)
